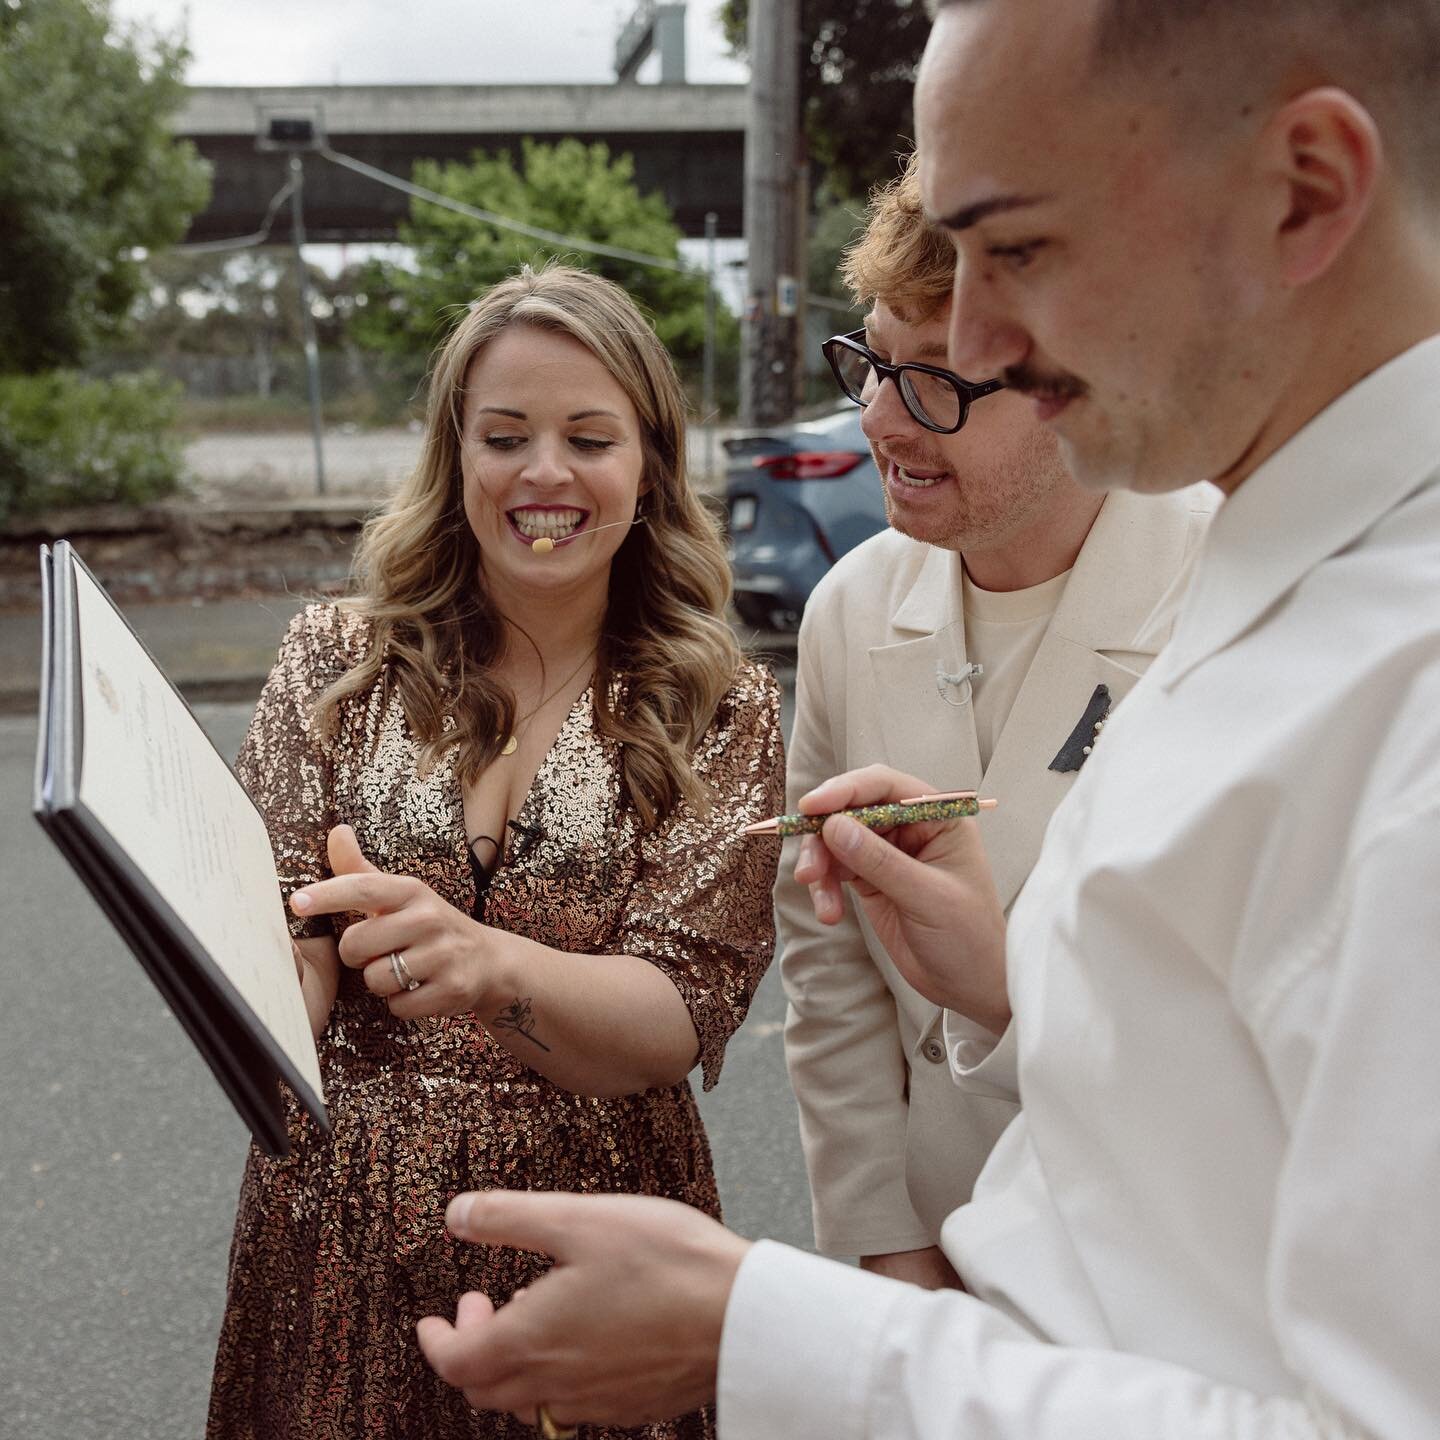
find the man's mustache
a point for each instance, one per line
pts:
(1029, 381)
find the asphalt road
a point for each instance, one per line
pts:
(120, 1157)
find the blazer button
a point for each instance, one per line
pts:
(933, 1051)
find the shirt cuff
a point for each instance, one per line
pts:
(799, 1345)
(979, 1062)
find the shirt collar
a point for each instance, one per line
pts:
(1367, 451)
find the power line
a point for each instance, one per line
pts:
(243, 242)
(503, 222)
(488, 217)
(535, 232)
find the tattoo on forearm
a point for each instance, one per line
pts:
(519, 1017)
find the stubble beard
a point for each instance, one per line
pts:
(989, 505)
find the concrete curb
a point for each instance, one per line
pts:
(175, 552)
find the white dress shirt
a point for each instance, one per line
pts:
(1218, 1214)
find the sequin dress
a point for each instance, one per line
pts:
(340, 1247)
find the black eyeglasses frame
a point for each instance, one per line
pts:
(966, 392)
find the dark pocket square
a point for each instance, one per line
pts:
(1076, 750)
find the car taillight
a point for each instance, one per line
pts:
(809, 464)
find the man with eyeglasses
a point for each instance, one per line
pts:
(981, 642)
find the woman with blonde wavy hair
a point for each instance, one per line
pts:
(505, 782)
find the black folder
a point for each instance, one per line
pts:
(240, 1016)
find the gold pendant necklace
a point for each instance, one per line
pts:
(512, 740)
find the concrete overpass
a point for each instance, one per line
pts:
(688, 142)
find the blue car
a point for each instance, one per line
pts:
(798, 497)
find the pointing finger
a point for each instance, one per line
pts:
(372, 893)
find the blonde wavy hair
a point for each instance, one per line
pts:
(436, 636)
(901, 260)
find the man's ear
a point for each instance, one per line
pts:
(1324, 153)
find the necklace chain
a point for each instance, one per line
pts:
(512, 740)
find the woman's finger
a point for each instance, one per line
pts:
(380, 977)
(371, 893)
(367, 940)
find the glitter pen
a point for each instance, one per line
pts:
(952, 805)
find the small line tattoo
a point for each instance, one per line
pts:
(519, 1017)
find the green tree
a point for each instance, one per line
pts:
(569, 188)
(89, 174)
(858, 62)
(836, 222)
(243, 303)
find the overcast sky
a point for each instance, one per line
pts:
(353, 42)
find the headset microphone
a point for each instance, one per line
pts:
(543, 544)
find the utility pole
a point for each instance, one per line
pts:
(707, 385)
(307, 320)
(770, 355)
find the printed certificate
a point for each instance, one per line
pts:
(155, 823)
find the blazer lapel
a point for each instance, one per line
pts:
(928, 726)
(1095, 638)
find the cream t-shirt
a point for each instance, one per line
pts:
(1003, 630)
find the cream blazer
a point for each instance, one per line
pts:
(892, 1146)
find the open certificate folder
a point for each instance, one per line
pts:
(155, 823)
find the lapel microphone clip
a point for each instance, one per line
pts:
(946, 681)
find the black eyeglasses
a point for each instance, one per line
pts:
(939, 399)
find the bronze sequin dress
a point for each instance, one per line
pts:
(340, 1247)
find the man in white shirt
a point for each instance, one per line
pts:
(983, 640)
(1204, 237)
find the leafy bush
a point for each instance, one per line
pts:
(69, 440)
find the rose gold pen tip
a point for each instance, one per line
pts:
(987, 804)
(935, 799)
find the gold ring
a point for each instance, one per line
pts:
(546, 1426)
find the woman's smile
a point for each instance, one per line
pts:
(556, 523)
